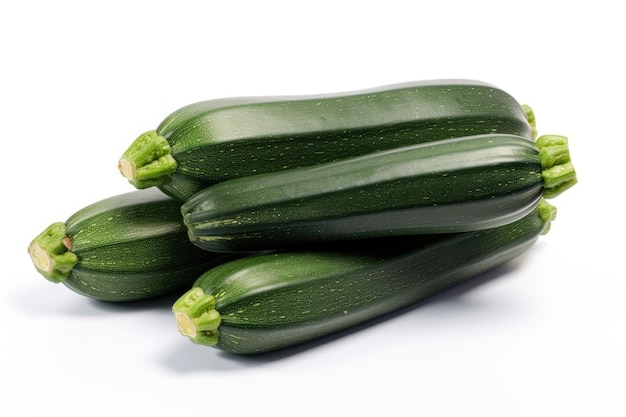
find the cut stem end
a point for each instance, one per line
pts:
(557, 169)
(196, 317)
(148, 161)
(50, 254)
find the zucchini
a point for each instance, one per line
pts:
(447, 186)
(271, 301)
(221, 139)
(128, 247)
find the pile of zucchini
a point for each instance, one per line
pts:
(278, 220)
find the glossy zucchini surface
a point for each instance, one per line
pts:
(129, 247)
(271, 301)
(446, 186)
(221, 139)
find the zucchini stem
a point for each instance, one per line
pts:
(148, 161)
(530, 116)
(557, 169)
(547, 213)
(50, 254)
(196, 317)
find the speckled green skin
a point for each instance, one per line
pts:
(129, 247)
(266, 302)
(446, 186)
(223, 139)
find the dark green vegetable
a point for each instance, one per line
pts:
(265, 302)
(223, 139)
(125, 248)
(447, 186)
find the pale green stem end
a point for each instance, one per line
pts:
(196, 317)
(51, 255)
(530, 116)
(545, 141)
(148, 161)
(558, 179)
(557, 169)
(547, 213)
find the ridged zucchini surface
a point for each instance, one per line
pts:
(129, 247)
(271, 301)
(446, 186)
(221, 139)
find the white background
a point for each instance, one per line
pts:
(80, 80)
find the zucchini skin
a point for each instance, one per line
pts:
(128, 247)
(448, 186)
(222, 139)
(271, 301)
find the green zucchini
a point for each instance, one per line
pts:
(270, 301)
(221, 139)
(447, 186)
(128, 247)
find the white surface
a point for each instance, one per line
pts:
(80, 80)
